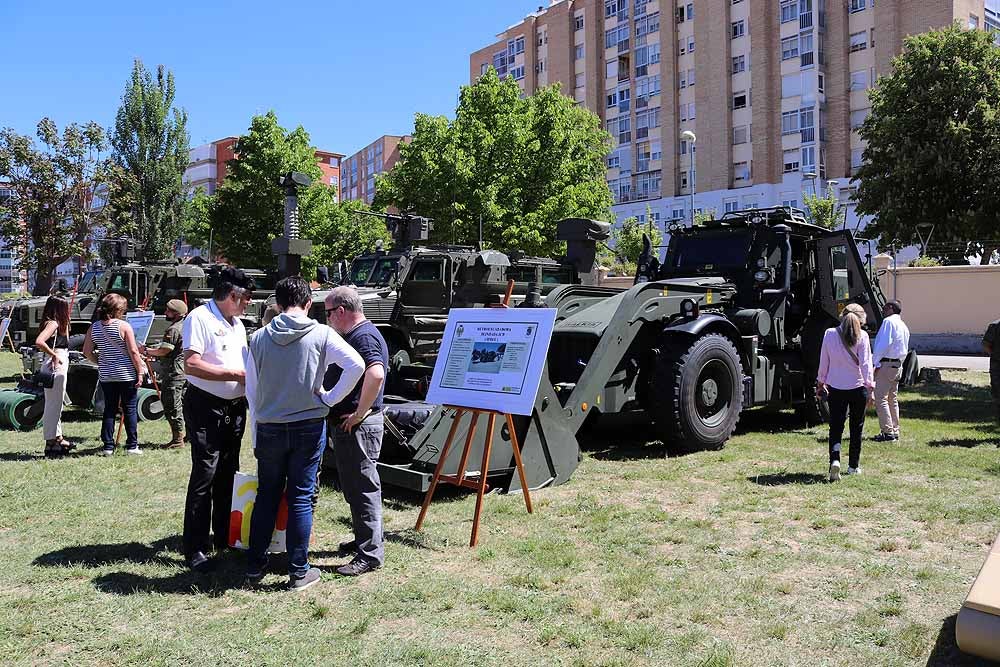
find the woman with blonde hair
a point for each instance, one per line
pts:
(53, 340)
(846, 379)
(110, 343)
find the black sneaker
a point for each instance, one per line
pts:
(200, 563)
(885, 437)
(347, 547)
(311, 577)
(252, 579)
(357, 567)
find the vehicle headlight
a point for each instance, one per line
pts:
(761, 262)
(762, 276)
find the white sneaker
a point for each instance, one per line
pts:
(133, 451)
(835, 471)
(854, 471)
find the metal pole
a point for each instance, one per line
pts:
(210, 257)
(691, 179)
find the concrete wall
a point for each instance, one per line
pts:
(947, 308)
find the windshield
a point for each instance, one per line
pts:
(702, 252)
(88, 281)
(372, 272)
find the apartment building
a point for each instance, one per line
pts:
(357, 178)
(207, 165)
(721, 104)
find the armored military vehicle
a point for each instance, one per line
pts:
(733, 318)
(26, 313)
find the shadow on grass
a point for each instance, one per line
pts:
(186, 582)
(967, 443)
(15, 457)
(946, 652)
(785, 478)
(160, 552)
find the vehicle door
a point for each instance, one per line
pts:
(427, 288)
(842, 278)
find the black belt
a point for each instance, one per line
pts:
(195, 391)
(882, 361)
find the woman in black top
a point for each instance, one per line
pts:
(53, 340)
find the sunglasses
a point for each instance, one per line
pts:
(331, 310)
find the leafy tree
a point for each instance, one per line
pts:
(628, 238)
(50, 217)
(248, 212)
(519, 164)
(826, 212)
(933, 138)
(150, 153)
(197, 219)
(704, 216)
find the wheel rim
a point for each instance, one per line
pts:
(713, 393)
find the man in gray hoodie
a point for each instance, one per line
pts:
(286, 362)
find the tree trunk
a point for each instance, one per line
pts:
(988, 251)
(43, 281)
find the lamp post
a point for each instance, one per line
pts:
(831, 191)
(811, 176)
(692, 139)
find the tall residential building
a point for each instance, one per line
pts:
(772, 90)
(207, 167)
(357, 178)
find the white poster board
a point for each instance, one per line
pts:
(142, 322)
(4, 328)
(492, 358)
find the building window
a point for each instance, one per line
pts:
(789, 48)
(741, 134)
(791, 85)
(740, 100)
(808, 162)
(731, 205)
(859, 80)
(690, 77)
(858, 118)
(789, 122)
(741, 172)
(806, 49)
(617, 8)
(857, 159)
(973, 22)
(859, 41)
(682, 79)
(612, 100)
(578, 23)
(624, 95)
(519, 45)
(790, 203)
(739, 28)
(690, 46)
(807, 124)
(518, 72)
(647, 24)
(858, 5)
(791, 161)
(579, 51)
(789, 10)
(739, 64)
(614, 160)
(656, 151)
(579, 80)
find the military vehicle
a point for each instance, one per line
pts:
(26, 312)
(408, 291)
(733, 318)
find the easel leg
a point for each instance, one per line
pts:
(517, 460)
(488, 444)
(11, 341)
(468, 447)
(440, 466)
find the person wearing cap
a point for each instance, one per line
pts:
(889, 351)
(170, 352)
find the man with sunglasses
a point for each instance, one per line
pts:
(356, 425)
(214, 412)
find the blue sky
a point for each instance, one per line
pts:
(346, 71)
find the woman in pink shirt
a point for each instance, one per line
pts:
(846, 379)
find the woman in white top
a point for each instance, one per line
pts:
(110, 343)
(53, 340)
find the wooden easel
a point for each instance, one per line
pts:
(460, 479)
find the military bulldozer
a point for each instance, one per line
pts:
(731, 319)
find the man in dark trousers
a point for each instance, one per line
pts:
(171, 354)
(215, 412)
(991, 345)
(356, 424)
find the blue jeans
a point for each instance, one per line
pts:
(127, 394)
(288, 456)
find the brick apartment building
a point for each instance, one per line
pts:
(357, 178)
(773, 90)
(207, 167)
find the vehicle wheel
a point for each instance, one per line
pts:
(696, 393)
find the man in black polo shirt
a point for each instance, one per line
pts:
(356, 425)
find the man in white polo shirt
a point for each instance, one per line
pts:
(214, 412)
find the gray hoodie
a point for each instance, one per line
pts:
(286, 363)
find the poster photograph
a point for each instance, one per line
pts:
(492, 358)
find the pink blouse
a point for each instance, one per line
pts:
(837, 368)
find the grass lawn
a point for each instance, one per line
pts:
(743, 556)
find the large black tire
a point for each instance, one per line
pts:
(696, 392)
(814, 411)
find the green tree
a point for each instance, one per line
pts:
(150, 153)
(826, 212)
(50, 216)
(933, 139)
(197, 219)
(518, 164)
(248, 211)
(628, 238)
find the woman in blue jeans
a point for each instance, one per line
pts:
(110, 343)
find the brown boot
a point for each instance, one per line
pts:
(177, 440)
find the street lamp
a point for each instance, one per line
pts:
(811, 176)
(691, 138)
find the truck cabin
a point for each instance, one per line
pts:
(374, 270)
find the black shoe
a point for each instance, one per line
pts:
(357, 566)
(200, 563)
(885, 437)
(347, 547)
(253, 579)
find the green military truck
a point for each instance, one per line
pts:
(732, 319)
